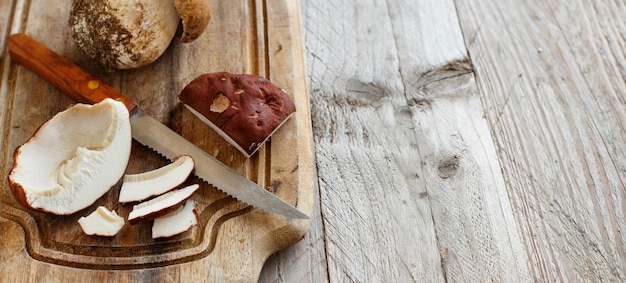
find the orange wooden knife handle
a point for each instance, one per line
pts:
(60, 72)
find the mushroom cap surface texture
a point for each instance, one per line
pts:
(131, 34)
(245, 109)
(73, 159)
(123, 34)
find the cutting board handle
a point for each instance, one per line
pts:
(60, 72)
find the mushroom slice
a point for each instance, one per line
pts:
(73, 159)
(176, 222)
(101, 222)
(195, 16)
(160, 205)
(137, 187)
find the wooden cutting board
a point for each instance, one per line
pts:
(232, 240)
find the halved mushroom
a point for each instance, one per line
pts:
(130, 34)
(73, 159)
(137, 187)
(176, 222)
(101, 222)
(244, 109)
(160, 205)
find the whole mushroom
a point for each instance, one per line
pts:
(131, 34)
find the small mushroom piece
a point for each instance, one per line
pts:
(137, 187)
(101, 222)
(73, 159)
(244, 109)
(123, 34)
(195, 16)
(160, 205)
(176, 222)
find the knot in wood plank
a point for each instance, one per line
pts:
(448, 166)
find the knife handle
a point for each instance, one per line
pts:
(60, 72)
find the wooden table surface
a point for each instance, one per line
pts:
(461, 140)
(465, 141)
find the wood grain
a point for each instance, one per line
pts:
(410, 186)
(555, 100)
(5, 18)
(345, 40)
(233, 240)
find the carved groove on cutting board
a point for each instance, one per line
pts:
(157, 254)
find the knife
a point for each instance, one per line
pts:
(85, 88)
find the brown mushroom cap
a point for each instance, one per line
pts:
(245, 109)
(195, 16)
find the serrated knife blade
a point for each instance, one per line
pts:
(159, 137)
(84, 87)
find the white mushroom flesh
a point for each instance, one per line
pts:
(176, 222)
(137, 187)
(161, 203)
(101, 222)
(74, 158)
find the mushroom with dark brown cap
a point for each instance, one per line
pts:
(244, 109)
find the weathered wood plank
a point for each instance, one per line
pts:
(410, 186)
(552, 77)
(306, 260)
(233, 240)
(6, 8)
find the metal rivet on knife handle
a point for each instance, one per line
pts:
(93, 84)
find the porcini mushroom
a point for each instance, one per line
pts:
(160, 205)
(137, 187)
(101, 222)
(73, 159)
(130, 34)
(176, 222)
(244, 109)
